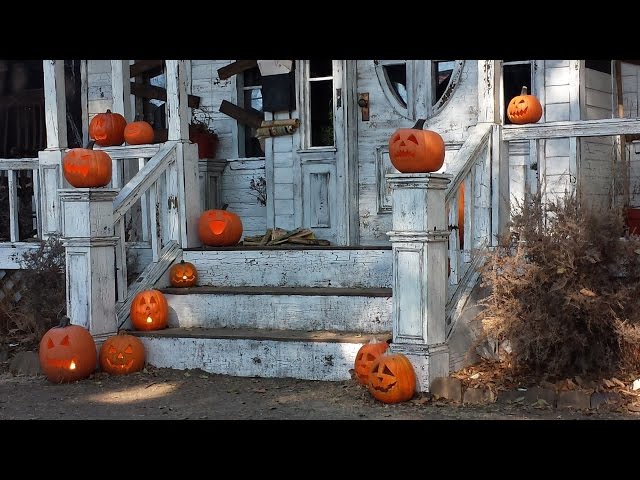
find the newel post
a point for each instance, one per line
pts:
(89, 241)
(419, 242)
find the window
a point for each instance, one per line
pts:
(321, 103)
(515, 75)
(250, 97)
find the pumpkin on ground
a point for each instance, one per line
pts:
(219, 228)
(122, 354)
(139, 133)
(149, 310)
(107, 129)
(86, 167)
(392, 378)
(524, 108)
(365, 358)
(67, 353)
(414, 150)
(183, 274)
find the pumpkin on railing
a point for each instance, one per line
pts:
(107, 129)
(86, 167)
(414, 150)
(139, 133)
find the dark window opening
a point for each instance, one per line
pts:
(320, 68)
(442, 71)
(397, 77)
(514, 77)
(603, 66)
(321, 105)
(252, 101)
(74, 105)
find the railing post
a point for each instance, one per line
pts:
(419, 242)
(89, 241)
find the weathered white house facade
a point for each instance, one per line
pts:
(403, 246)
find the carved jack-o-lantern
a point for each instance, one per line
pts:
(392, 378)
(183, 274)
(122, 354)
(86, 167)
(365, 357)
(67, 353)
(107, 129)
(149, 310)
(138, 133)
(524, 108)
(219, 228)
(414, 150)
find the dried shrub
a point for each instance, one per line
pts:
(564, 291)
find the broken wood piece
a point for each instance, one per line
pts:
(293, 122)
(250, 243)
(278, 131)
(246, 117)
(285, 237)
(236, 67)
(305, 232)
(266, 237)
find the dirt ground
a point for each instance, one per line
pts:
(165, 394)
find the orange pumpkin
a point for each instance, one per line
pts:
(219, 228)
(122, 354)
(139, 133)
(365, 357)
(67, 353)
(414, 150)
(392, 378)
(107, 129)
(183, 274)
(86, 167)
(524, 108)
(149, 310)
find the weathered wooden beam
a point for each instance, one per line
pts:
(149, 67)
(159, 93)
(246, 117)
(579, 128)
(236, 67)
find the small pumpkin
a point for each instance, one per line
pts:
(219, 228)
(67, 353)
(107, 129)
(149, 310)
(524, 108)
(392, 378)
(365, 357)
(139, 133)
(414, 150)
(122, 354)
(86, 167)
(183, 274)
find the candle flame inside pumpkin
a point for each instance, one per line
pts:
(149, 320)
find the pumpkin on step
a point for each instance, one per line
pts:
(414, 150)
(139, 133)
(365, 358)
(67, 353)
(149, 310)
(183, 274)
(392, 378)
(107, 129)
(524, 108)
(86, 167)
(122, 354)
(219, 228)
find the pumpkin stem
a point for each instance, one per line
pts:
(181, 261)
(524, 91)
(64, 321)
(225, 206)
(90, 144)
(419, 124)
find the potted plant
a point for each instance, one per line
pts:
(203, 134)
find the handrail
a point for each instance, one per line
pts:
(18, 163)
(578, 128)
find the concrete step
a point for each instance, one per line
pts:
(340, 267)
(244, 352)
(366, 310)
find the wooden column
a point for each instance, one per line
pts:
(419, 242)
(89, 242)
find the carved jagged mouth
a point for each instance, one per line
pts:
(404, 153)
(78, 169)
(519, 113)
(217, 226)
(64, 364)
(387, 388)
(120, 366)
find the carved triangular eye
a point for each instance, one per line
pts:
(386, 371)
(412, 138)
(521, 101)
(50, 343)
(128, 350)
(112, 349)
(153, 300)
(395, 138)
(370, 357)
(65, 341)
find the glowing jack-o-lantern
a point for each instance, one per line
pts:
(86, 167)
(365, 357)
(67, 353)
(183, 274)
(392, 378)
(524, 108)
(414, 150)
(122, 354)
(219, 228)
(149, 310)
(107, 129)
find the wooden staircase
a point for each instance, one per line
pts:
(266, 311)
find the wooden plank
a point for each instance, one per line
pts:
(18, 164)
(14, 227)
(55, 104)
(159, 93)
(176, 107)
(130, 152)
(120, 91)
(246, 117)
(580, 128)
(236, 67)
(151, 68)
(121, 260)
